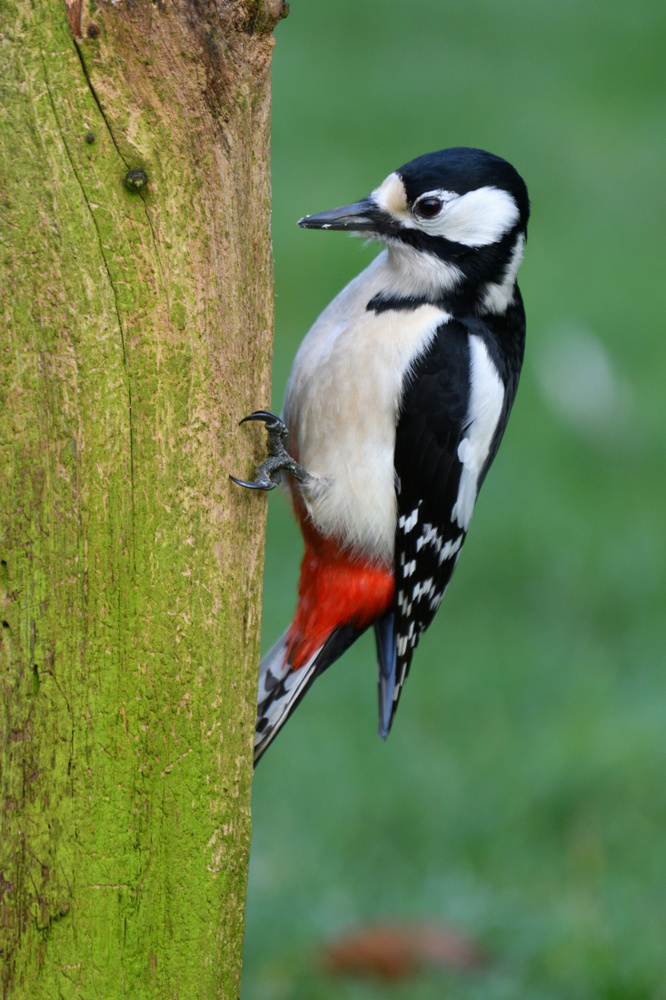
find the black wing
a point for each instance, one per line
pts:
(434, 417)
(432, 421)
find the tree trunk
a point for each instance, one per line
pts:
(137, 297)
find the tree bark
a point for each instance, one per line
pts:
(138, 325)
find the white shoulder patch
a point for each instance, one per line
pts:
(485, 408)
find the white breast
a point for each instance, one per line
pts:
(342, 404)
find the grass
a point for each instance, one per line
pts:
(521, 798)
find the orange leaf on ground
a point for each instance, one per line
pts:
(395, 951)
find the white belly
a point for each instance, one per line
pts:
(341, 407)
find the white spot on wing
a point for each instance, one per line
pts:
(430, 536)
(407, 523)
(451, 549)
(436, 600)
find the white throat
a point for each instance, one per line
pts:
(414, 273)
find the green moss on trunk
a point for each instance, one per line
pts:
(137, 330)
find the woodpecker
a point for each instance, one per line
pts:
(395, 407)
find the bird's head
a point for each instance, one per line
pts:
(454, 221)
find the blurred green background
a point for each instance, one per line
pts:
(521, 797)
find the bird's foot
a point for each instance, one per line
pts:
(268, 474)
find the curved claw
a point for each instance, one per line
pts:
(278, 460)
(253, 486)
(265, 415)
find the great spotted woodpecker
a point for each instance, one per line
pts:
(395, 408)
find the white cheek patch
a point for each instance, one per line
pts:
(475, 219)
(478, 218)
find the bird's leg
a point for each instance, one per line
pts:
(279, 460)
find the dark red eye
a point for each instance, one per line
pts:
(428, 208)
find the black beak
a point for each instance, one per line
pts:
(360, 217)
